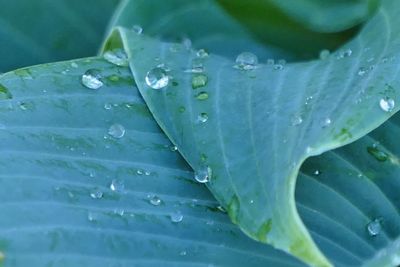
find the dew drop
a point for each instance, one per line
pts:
(296, 120)
(203, 175)
(117, 57)
(387, 104)
(374, 227)
(96, 193)
(202, 53)
(92, 79)
(116, 130)
(155, 201)
(157, 78)
(117, 185)
(324, 54)
(246, 61)
(202, 117)
(199, 80)
(378, 154)
(137, 29)
(317, 172)
(202, 96)
(176, 217)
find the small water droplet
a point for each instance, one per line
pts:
(326, 122)
(173, 148)
(374, 227)
(202, 117)
(155, 201)
(183, 253)
(23, 106)
(117, 185)
(107, 106)
(317, 172)
(137, 29)
(92, 174)
(74, 65)
(176, 217)
(201, 53)
(344, 53)
(96, 193)
(147, 173)
(119, 211)
(324, 54)
(362, 71)
(157, 78)
(378, 154)
(387, 104)
(117, 57)
(139, 172)
(202, 96)
(246, 61)
(296, 120)
(116, 130)
(199, 80)
(203, 175)
(92, 79)
(278, 67)
(92, 217)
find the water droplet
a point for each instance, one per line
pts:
(197, 67)
(155, 201)
(173, 148)
(176, 217)
(116, 130)
(374, 227)
(4, 93)
(74, 65)
(137, 29)
(278, 67)
(378, 154)
(199, 80)
(324, 54)
(203, 175)
(92, 174)
(183, 253)
(317, 172)
(157, 78)
(92, 79)
(92, 217)
(139, 172)
(202, 117)
(362, 71)
(387, 104)
(202, 96)
(147, 173)
(201, 53)
(96, 193)
(117, 185)
(296, 120)
(117, 57)
(181, 109)
(23, 106)
(344, 53)
(326, 122)
(119, 211)
(107, 106)
(246, 61)
(187, 43)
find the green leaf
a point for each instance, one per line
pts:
(33, 32)
(263, 123)
(58, 161)
(317, 15)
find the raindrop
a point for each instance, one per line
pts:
(326, 122)
(96, 193)
(155, 201)
(296, 120)
(202, 117)
(117, 57)
(107, 106)
(324, 54)
(137, 29)
(378, 154)
(147, 173)
(344, 53)
(202, 53)
(387, 104)
(116, 130)
(203, 175)
(176, 217)
(374, 227)
(139, 172)
(246, 61)
(317, 172)
(202, 96)
(199, 80)
(173, 148)
(117, 185)
(157, 78)
(92, 79)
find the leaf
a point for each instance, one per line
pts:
(33, 32)
(317, 15)
(57, 164)
(278, 116)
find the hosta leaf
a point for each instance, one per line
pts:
(263, 123)
(33, 32)
(317, 15)
(74, 194)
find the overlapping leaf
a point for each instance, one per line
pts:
(278, 116)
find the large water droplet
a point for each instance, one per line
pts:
(157, 78)
(199, 80)
(4, 93)
(202, 96)
(387, 104)
(137, 29)
(117, 57)
(246, 61)
(96, 193)
(374, 227)
(203, 175)
(176, 217)
(117, 185)
(116, 130)
(92, 79)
